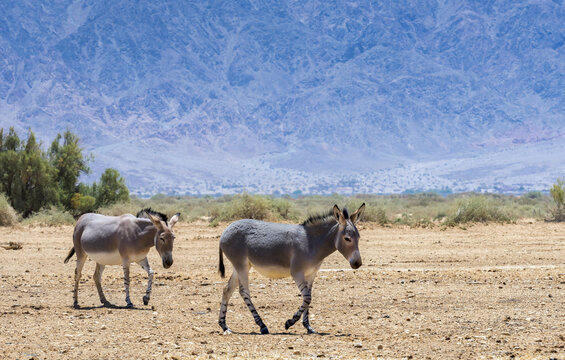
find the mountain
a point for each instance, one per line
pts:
(311, 96)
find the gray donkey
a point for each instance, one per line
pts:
(121, 240)
(282, 250)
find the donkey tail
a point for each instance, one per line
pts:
(70, 255)
(221, 268)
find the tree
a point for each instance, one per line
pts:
(68, 160)
(34, 187)
(111, 188)
(9, 162)
(25, 174)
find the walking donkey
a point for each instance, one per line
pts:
(282, 250)
(115, 240)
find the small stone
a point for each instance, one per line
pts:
(103, 327)
(358, 345)
(380, 347)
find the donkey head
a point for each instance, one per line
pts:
(164, 238)
(347, 239)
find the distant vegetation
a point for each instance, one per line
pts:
(42, 187)
(38, 184)
(415, 210)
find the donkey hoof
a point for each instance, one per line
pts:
(75, 305)
(309, 330)
(107, 304)
(264, 330)
(288, 324)
(227, 331)
(145, 300)
(129, 306)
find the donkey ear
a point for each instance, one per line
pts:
(173, 220)
(155, 221)
(339, 215)
(356, 215)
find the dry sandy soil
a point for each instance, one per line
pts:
(487, 291)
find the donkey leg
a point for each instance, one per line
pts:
(305, 320)
(145, 265)
(125, 266)
(81, 260)
(244, 292)
(306, 298)
(228, 292)
(98, 281)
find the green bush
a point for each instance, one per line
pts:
(83, 203)
(247, 206)
(557, 192)
(478, 209)
(8, 216)
(50, 217)
(375, 214)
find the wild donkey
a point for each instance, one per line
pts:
(282, 250)
(115, 240)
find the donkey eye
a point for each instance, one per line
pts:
(347, 238)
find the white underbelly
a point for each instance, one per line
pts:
(273, 272)
(114, 258)
(107, 258)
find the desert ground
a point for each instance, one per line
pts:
(481, 291)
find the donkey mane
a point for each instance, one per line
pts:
(142, 212)
(319, 219)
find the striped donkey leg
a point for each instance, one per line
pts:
(125, 266)
(227, 294)
(305, 320)
(81, 260)
(145, 265)
(244, 292)
(98, 281)
(306, 298)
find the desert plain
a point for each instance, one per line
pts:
(475, 292)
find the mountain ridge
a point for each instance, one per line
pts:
(313, 87)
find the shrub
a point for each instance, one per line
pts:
(50, 217)
(375, 214)
(247, 206)
(8, 216)
(82, 203)
(478, 209)
(557, 192)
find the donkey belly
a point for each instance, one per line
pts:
(273, 272)
(106, 258)
(114, 257)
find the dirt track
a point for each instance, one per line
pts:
(485, 292)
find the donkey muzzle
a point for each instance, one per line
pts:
(167, 262)
(355, 260)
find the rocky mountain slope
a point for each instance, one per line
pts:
(217, 96)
